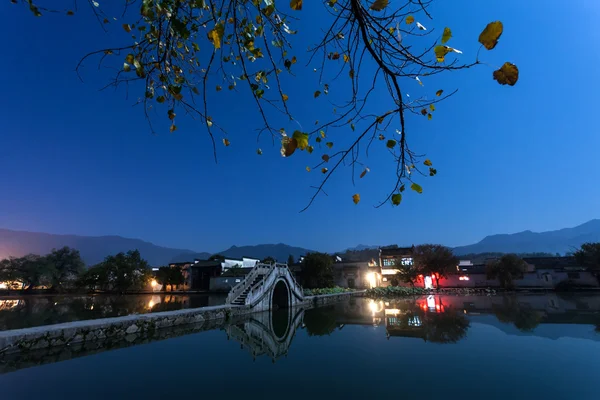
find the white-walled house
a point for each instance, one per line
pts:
(245, 262)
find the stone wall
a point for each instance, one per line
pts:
(130, 328)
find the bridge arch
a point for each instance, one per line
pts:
(281, 295)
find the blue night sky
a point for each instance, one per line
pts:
(77, 160)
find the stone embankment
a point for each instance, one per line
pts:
(131, 327)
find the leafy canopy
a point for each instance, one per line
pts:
(176, 54)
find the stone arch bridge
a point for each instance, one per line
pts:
(267, 287)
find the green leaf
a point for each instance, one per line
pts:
(160, 99)
(446, 35)
(508, 74)
(432, 171)
(259, 152)
(260, 93)
(427, 163)
(301, 139)
(391, 143)
(356, 198)
(429, 116)
(396, 199)
(490, 35)
(432, 107)
(126, 67)
(440, 52)
(296, 5)
(379, 5)
(439, 92)
(417, 188)
(127, 28)
(402, 188)
(219, 88)
(329, 144)
(352, 127)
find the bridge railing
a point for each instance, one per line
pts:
(237, 290)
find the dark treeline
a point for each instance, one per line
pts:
(63, 270)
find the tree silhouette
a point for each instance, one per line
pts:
(506, 269)
(372, 63)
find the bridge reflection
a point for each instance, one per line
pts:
(437, 319)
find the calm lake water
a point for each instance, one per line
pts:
(26, 311)
(436, 347)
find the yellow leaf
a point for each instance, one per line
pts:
(396, 199)
(410, 19)
(284, 97)
(307, 169)
(440, 52)
(429, 116)
(379, 5)
(209, 123)
(427, 163)
(173, 128)
(322, 133)
(215, 35)
(432, 107)
(356, 198)
(446, 35)
(490, 35)
(508, 74)
(439, 92)
(346, 58)
(324, 170)
(329, 144)
(226, 142)
(296, 5)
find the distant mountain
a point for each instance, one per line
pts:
(280, 252)
(361, 247)
(93, 249)
(184, 257)
(560, 241)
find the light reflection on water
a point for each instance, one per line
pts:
(18, 312)
(434, 347)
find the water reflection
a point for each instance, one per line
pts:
(267, 334)
(27, 311)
